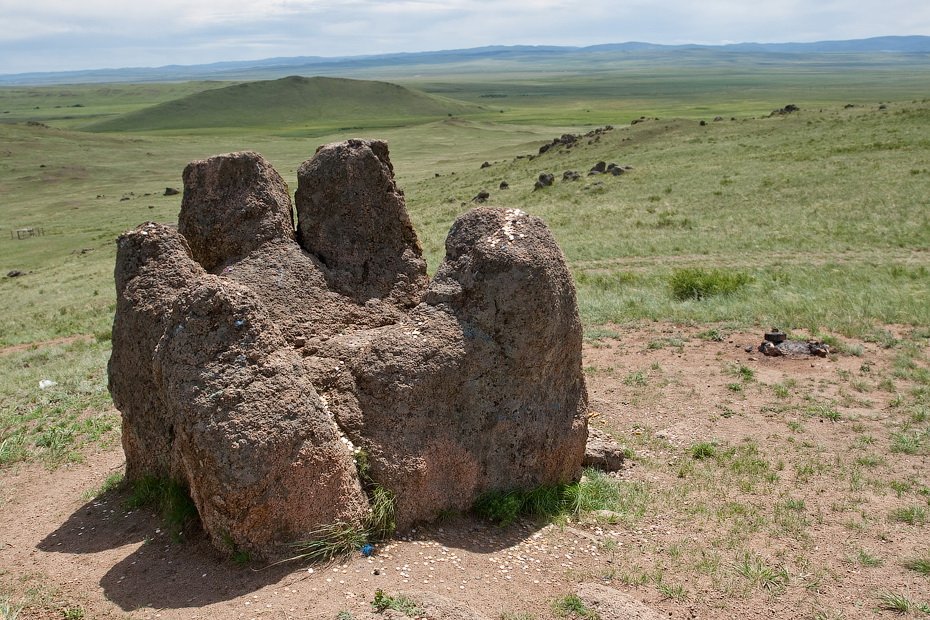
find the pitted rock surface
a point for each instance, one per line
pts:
(248, 360)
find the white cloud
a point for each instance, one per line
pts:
(63, 34)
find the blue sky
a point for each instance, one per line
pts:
(53, 35)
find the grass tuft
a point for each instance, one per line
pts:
(912, 515)
(867, 559)
(900, 604)
(919, 565)
(405, 605)
(330, 541)
(696, 283)
(760, 574)
(570, 604)
(702, 450)
(595, 491)
(169, 498)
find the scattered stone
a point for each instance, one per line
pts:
(486, 164)
(599, 167)
(568, 140)
(545, 179)
(703, 123)
(819, 349)
(608, 602)
(481, 197)
(883, 107)
(45, 384)
(14, 273)
(602, 451)
(171, 191)
(616, 170)
(717, 119)
(504, 185)
(776, 336)
(788, 109)
(794, 348)
(570, 175)
(607, 516)
(770, 349)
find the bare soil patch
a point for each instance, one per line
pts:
(795, 508)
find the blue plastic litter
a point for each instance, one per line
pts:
(367, 549)
(239, 322)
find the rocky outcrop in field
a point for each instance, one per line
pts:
(260, 362)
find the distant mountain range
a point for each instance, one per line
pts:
(405, 63)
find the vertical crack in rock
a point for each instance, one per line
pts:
(250, 367)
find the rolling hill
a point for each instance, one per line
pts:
(291, 102)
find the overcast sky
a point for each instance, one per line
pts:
(53, 35)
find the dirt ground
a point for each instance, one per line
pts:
(796, 510)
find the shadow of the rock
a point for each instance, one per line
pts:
(101, 524)
(172, 576)
(160, 573)
(475, 535)
(164, 574)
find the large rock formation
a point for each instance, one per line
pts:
(249, 361)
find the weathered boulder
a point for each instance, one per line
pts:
(232, 204)
(481, 197)
(602, 451)
(505, 280)
(153, 266)
(352, 216)
(245, 368)
(545, 179)
(257, 447)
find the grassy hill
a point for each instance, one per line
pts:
(291, 102)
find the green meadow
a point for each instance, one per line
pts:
(821, 217)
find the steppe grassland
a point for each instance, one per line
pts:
(823, 215)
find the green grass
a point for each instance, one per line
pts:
(761, 574)
(901, 604)
(401, 603)
(626, 501)
(864, 558)
(919, 565)
(167, 497)
(316, 104)
(55, 424)
(8, 609)
(912, 515)
(330, 541)
(703, 450)
(112, 482)
(697, 283)
(572, 606)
